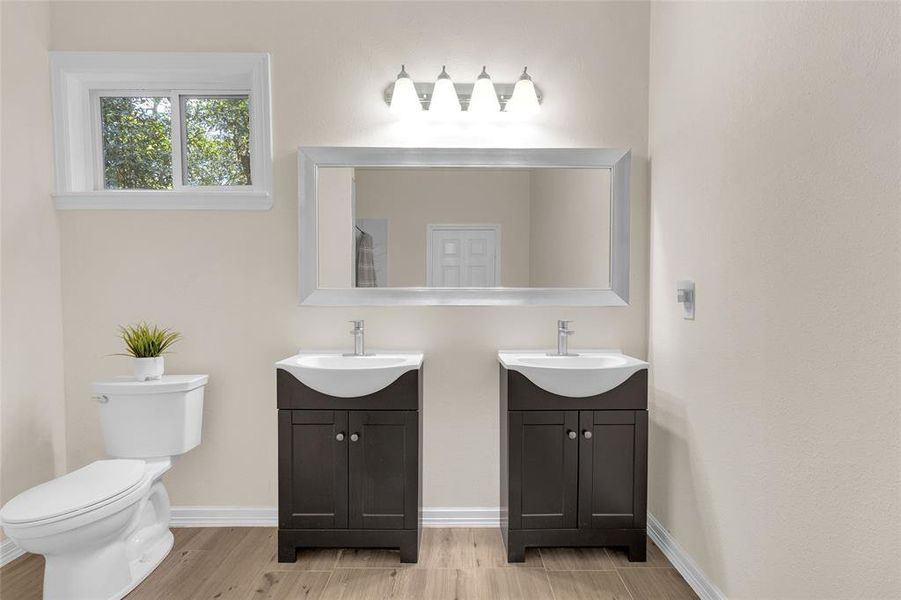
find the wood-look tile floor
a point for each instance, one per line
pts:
(454, 564)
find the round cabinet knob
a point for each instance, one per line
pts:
(340, 437)
(354, 437)
(587, 434)
(571, 434)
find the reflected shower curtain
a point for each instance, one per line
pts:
(365, 261)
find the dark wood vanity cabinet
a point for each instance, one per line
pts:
(349, 468)
(313, 469)
(573, 470)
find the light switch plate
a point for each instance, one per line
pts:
(685, 295)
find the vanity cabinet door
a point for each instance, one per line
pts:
(312, 462)
(544, 463)
(612, 469)
(383, 469)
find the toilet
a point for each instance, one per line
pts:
(104, 527)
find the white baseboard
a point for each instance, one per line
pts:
(464, 516)
(267, 516)
(680, 559)
(9, 551)
(224, 516)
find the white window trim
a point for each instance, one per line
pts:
(78, 78)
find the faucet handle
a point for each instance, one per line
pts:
(358, 324)
(563, 324)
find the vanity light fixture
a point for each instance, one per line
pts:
(484, 97)
(445, 97)
(404, 99)
(525, 98)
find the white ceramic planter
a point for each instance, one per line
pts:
(147, 369)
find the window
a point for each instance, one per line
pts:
(136, 142)
(162, 131)
(216, 140)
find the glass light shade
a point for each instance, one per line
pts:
(525, 99)
(484, 98)
(444, 96)
(404, 99)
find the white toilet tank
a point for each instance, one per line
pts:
(151, 419)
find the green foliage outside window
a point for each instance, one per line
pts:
(137, 145)
(137, 141)
(217, 144)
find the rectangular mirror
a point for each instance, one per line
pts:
(464, 226)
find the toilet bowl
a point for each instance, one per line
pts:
(104, 527)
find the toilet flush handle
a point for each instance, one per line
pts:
(101, 399)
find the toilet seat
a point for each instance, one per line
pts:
(85, 490)
(87, 515)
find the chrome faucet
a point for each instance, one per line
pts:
(563, 332)
(358, 333)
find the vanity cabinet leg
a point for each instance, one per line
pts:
(409, 550)
(287, 551)
(638, 550)
(409, 547)
(516, 553)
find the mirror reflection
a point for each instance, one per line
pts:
(464, 227)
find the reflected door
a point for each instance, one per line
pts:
(463, 256)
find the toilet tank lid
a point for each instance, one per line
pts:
(88, 486)
(168, 383)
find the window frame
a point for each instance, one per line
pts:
(97, 174)
(182, 144)
(80, 79)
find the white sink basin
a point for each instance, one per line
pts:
(590, 373)
(344, 376)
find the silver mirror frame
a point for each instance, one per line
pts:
(312, 158)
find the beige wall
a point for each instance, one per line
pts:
(775, 434)
(32, 408)
(227, 280)
(411, 199)
(570, 227)
(335, 227)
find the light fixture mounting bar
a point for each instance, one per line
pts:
(464, 93)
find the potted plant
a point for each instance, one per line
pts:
(147, 344)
